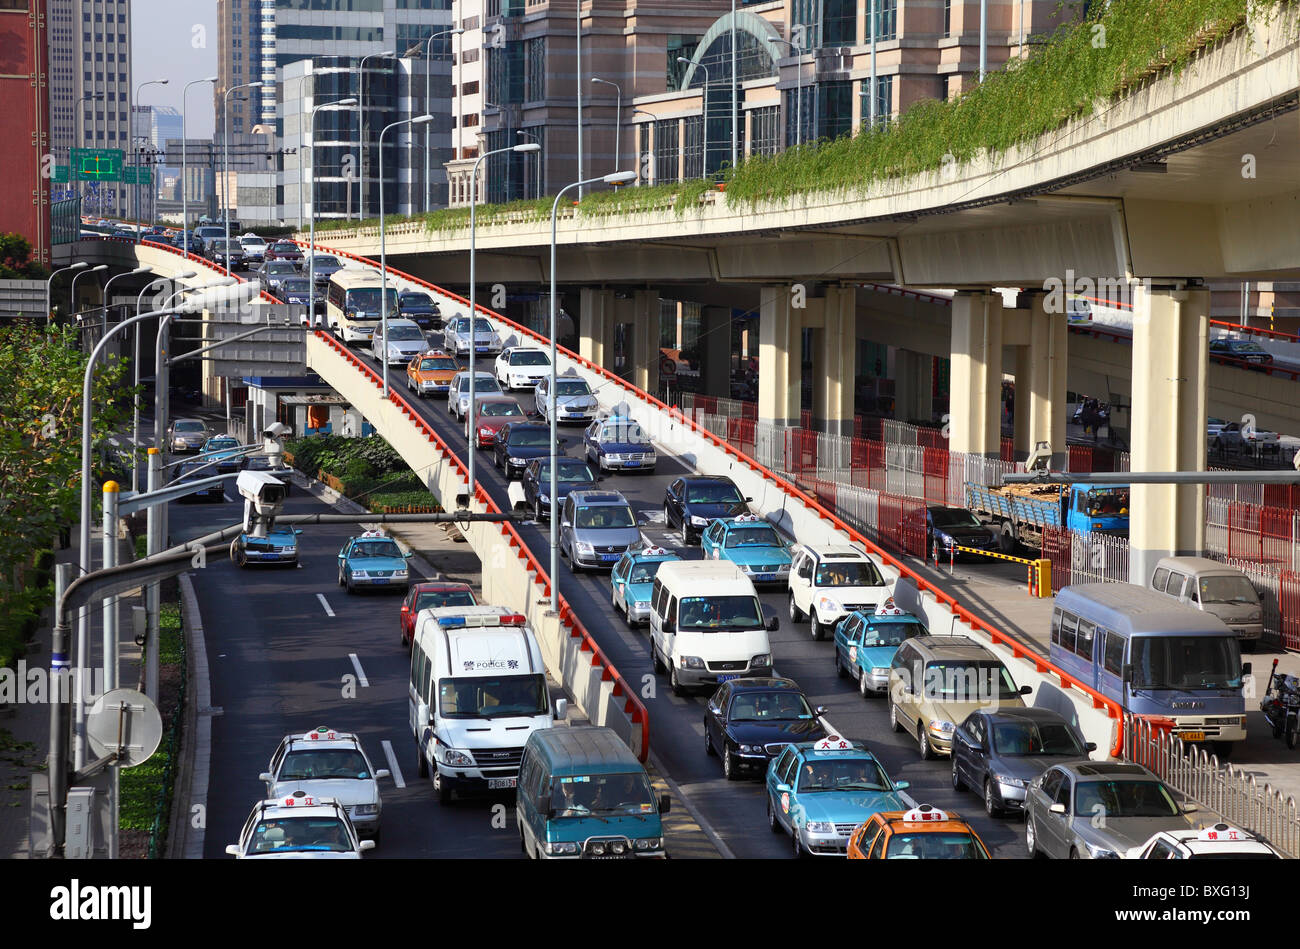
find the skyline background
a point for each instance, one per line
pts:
(176, 42)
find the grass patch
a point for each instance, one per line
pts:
(372, 473)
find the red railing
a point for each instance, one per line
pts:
(1289, 607)
(1256, 331)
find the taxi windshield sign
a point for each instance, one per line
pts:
(745, 519)
(654, 552)
(323, 733)
(1222, 832)
(924, 814)
(889, 608)
(832, 743)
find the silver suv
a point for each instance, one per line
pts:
(597, 528)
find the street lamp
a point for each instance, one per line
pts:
(618, 115)
(72, 299)
(225, 184)
(871, 14)
(458, 32)
(640, 157)
(361, 129)
(130, 137)
(577, 23)
(49, 284)
(311, 240)
(473, 308)
(185, 204)
(704, 112)
(383, 250)
(103, 296)
(135, 362)
(618, 178)
(798, 76)
(735, 104)
(81, 132)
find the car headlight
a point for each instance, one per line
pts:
(699, 521)
(819, 827)
(360, 575)
(561, 849)
(751, 749)
(692, 662)
(1008, 780)
(745, 567)
(827, 605)
(941, 728)
(585, 548)
(366, 810)
(1255, 616)
(764, 659)
(543, 498)
(648, 843)
(457, 759)
(612, 457)
(1100, 853)
(880, 670)
(400, 574)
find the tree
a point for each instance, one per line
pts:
(16, 259)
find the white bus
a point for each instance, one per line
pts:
(352, 304)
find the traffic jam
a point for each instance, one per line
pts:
(756, 642)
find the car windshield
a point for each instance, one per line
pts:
(968, 681)
(500, 409)
(1023, 739)
(529, 438)
(325, 261)
(481, 325)
(1234, 855)
(572, 387)
(934, 846)
(604, 516)
(529, 357)
(644, 572)
(622, 432)
(570, 472)
(842, 774)
(437, 362)
(493, 696)
(189, 426)
(284, 248)
(218, 444)
(1244, 346)
(280, 266)
(482, 384)
(757, 536)
(1185, 662)
(954, 517)
(257, 463)
(712, 492)
(1227, 589)
(415, 299)
(851, 573)
(776, 706)
(1117, 799)
(589, 795)
(720, 612)
(293, 834)
(405, 333)
(891, 634)
(297, 285)
(1107, 501)
(375, 548)
(315, 763)
(430, 601)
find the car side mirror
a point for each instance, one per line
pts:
(1127, 673)
(772, 623)
(565, 524)
(297, 530)
(819, 710)
(1245, 668)
(1090, 746)
(1057, 808)
(1026, 689)
(266, 776)
(1190, 808)
(665, 804)
(561, 709)
(783, 789)
(383, 773)
(364, 845)
(902, 785)
(668, 626)
(408, 555)
(340, 556)
(232, 849)
(749, 500)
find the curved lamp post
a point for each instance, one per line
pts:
(704, 112)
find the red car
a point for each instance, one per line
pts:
(430, 594)
(284, 250)
(493, 412)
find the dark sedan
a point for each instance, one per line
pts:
(694, 502)
(957, 527)
(418, 306)
(298, 290)
(997, 753)
(572, 475)
(197, 471)
(750, 721)
(323, 266)
(519, 443)
(1225, 350)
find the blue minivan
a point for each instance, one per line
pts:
(583, 794)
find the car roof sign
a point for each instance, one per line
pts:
(1222, 832)
(833, 743)
(924, 813)
(888, 607)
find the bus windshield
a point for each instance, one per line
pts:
(363, 303)
(492, 696)
(587, 795)
(1185, 662)
(720, 613)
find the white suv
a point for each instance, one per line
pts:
(828, 583)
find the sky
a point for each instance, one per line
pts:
(176, 40)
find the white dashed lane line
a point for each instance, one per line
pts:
(361, 675)
(325, 603)
(392, 763)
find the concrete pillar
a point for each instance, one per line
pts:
(913, 386)
(596, 325)
(1170, 350)
(835, 362)
(976, 402)
(715, 351)
(645, 341)
(780, 356)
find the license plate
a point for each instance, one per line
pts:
(380, 580)
(631, 464)
(610, 556)
(1192, 736)
(728, 678)
(764, 577)
(495, 783)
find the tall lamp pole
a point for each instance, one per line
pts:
(704, 112)
(361, 129)
(735, 104)
(135, 362)
(185, 205)
(225, 184)
(383, 250)
(640, 158)
(49, 285)
(103, 295)
(130, 137)
(618, 116)
(577, 19)
(798, 79)
(72, 297)
(428, 76)
(311, 240)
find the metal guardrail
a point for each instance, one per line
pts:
(1233, 793)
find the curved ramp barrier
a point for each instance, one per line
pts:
(512, 576)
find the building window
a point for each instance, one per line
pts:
(764, 130)
(535, 76)
(800, 115)
(694, 147)
(884, 99)
(886, 21)
(666, 151)
(947, 18)
(680, 45)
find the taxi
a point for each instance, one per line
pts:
(1217, 842)
(280, 545)
(750, 543)
(865, 643)
(372, 559)
(819, 791)
(923, 833)
(325, 763)
(224, 450)
(632, 580)
(430, 372)
(299, 826)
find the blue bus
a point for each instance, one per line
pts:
(1154, 657)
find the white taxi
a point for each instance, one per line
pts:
(328, 764)
(1216, 842)
(299, 826)
(521, 367)
(827, 583)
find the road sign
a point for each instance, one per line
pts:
(98, 164)
(60, 173)
(137, 175)
(127, 722)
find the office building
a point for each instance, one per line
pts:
(239, 61)
(24, 102)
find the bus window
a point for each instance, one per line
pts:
(1069, 623)
(1114, 652)
(1083, 642)
(1160, 579)
(1056, 627)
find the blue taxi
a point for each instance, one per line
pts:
(820, 791)
(866, 640)
(372, 559)
(750, 543)
(633, 578)
(227, 455)
(280, 545)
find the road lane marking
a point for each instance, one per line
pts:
(324, 603)
(361, 676)
(392, 764)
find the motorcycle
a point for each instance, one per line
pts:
(1281, 705)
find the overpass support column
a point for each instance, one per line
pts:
(835, 362)
(596, 325)
(1040, 383)
(913, 386)
(645, 341)
(1170, 381)
(780, 356)
(975, 406)
(715, 351)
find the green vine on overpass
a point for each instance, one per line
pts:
(1086, 62)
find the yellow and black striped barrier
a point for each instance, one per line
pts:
(1040, 571)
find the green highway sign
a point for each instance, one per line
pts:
(97, 164)
(137, 175)
(60, 173)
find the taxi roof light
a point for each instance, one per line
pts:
(1222, 832)
(888, 607)
(925, 813)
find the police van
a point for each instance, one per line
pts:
(477, 691)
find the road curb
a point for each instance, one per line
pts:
(699, 818)
(185, 838)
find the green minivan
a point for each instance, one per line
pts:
(583, 794)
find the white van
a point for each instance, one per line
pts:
(706, 624)
(1215, 588)
(477, 691)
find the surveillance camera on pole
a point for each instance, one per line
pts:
(272, 442)
(1040, 458)
(263, 495)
